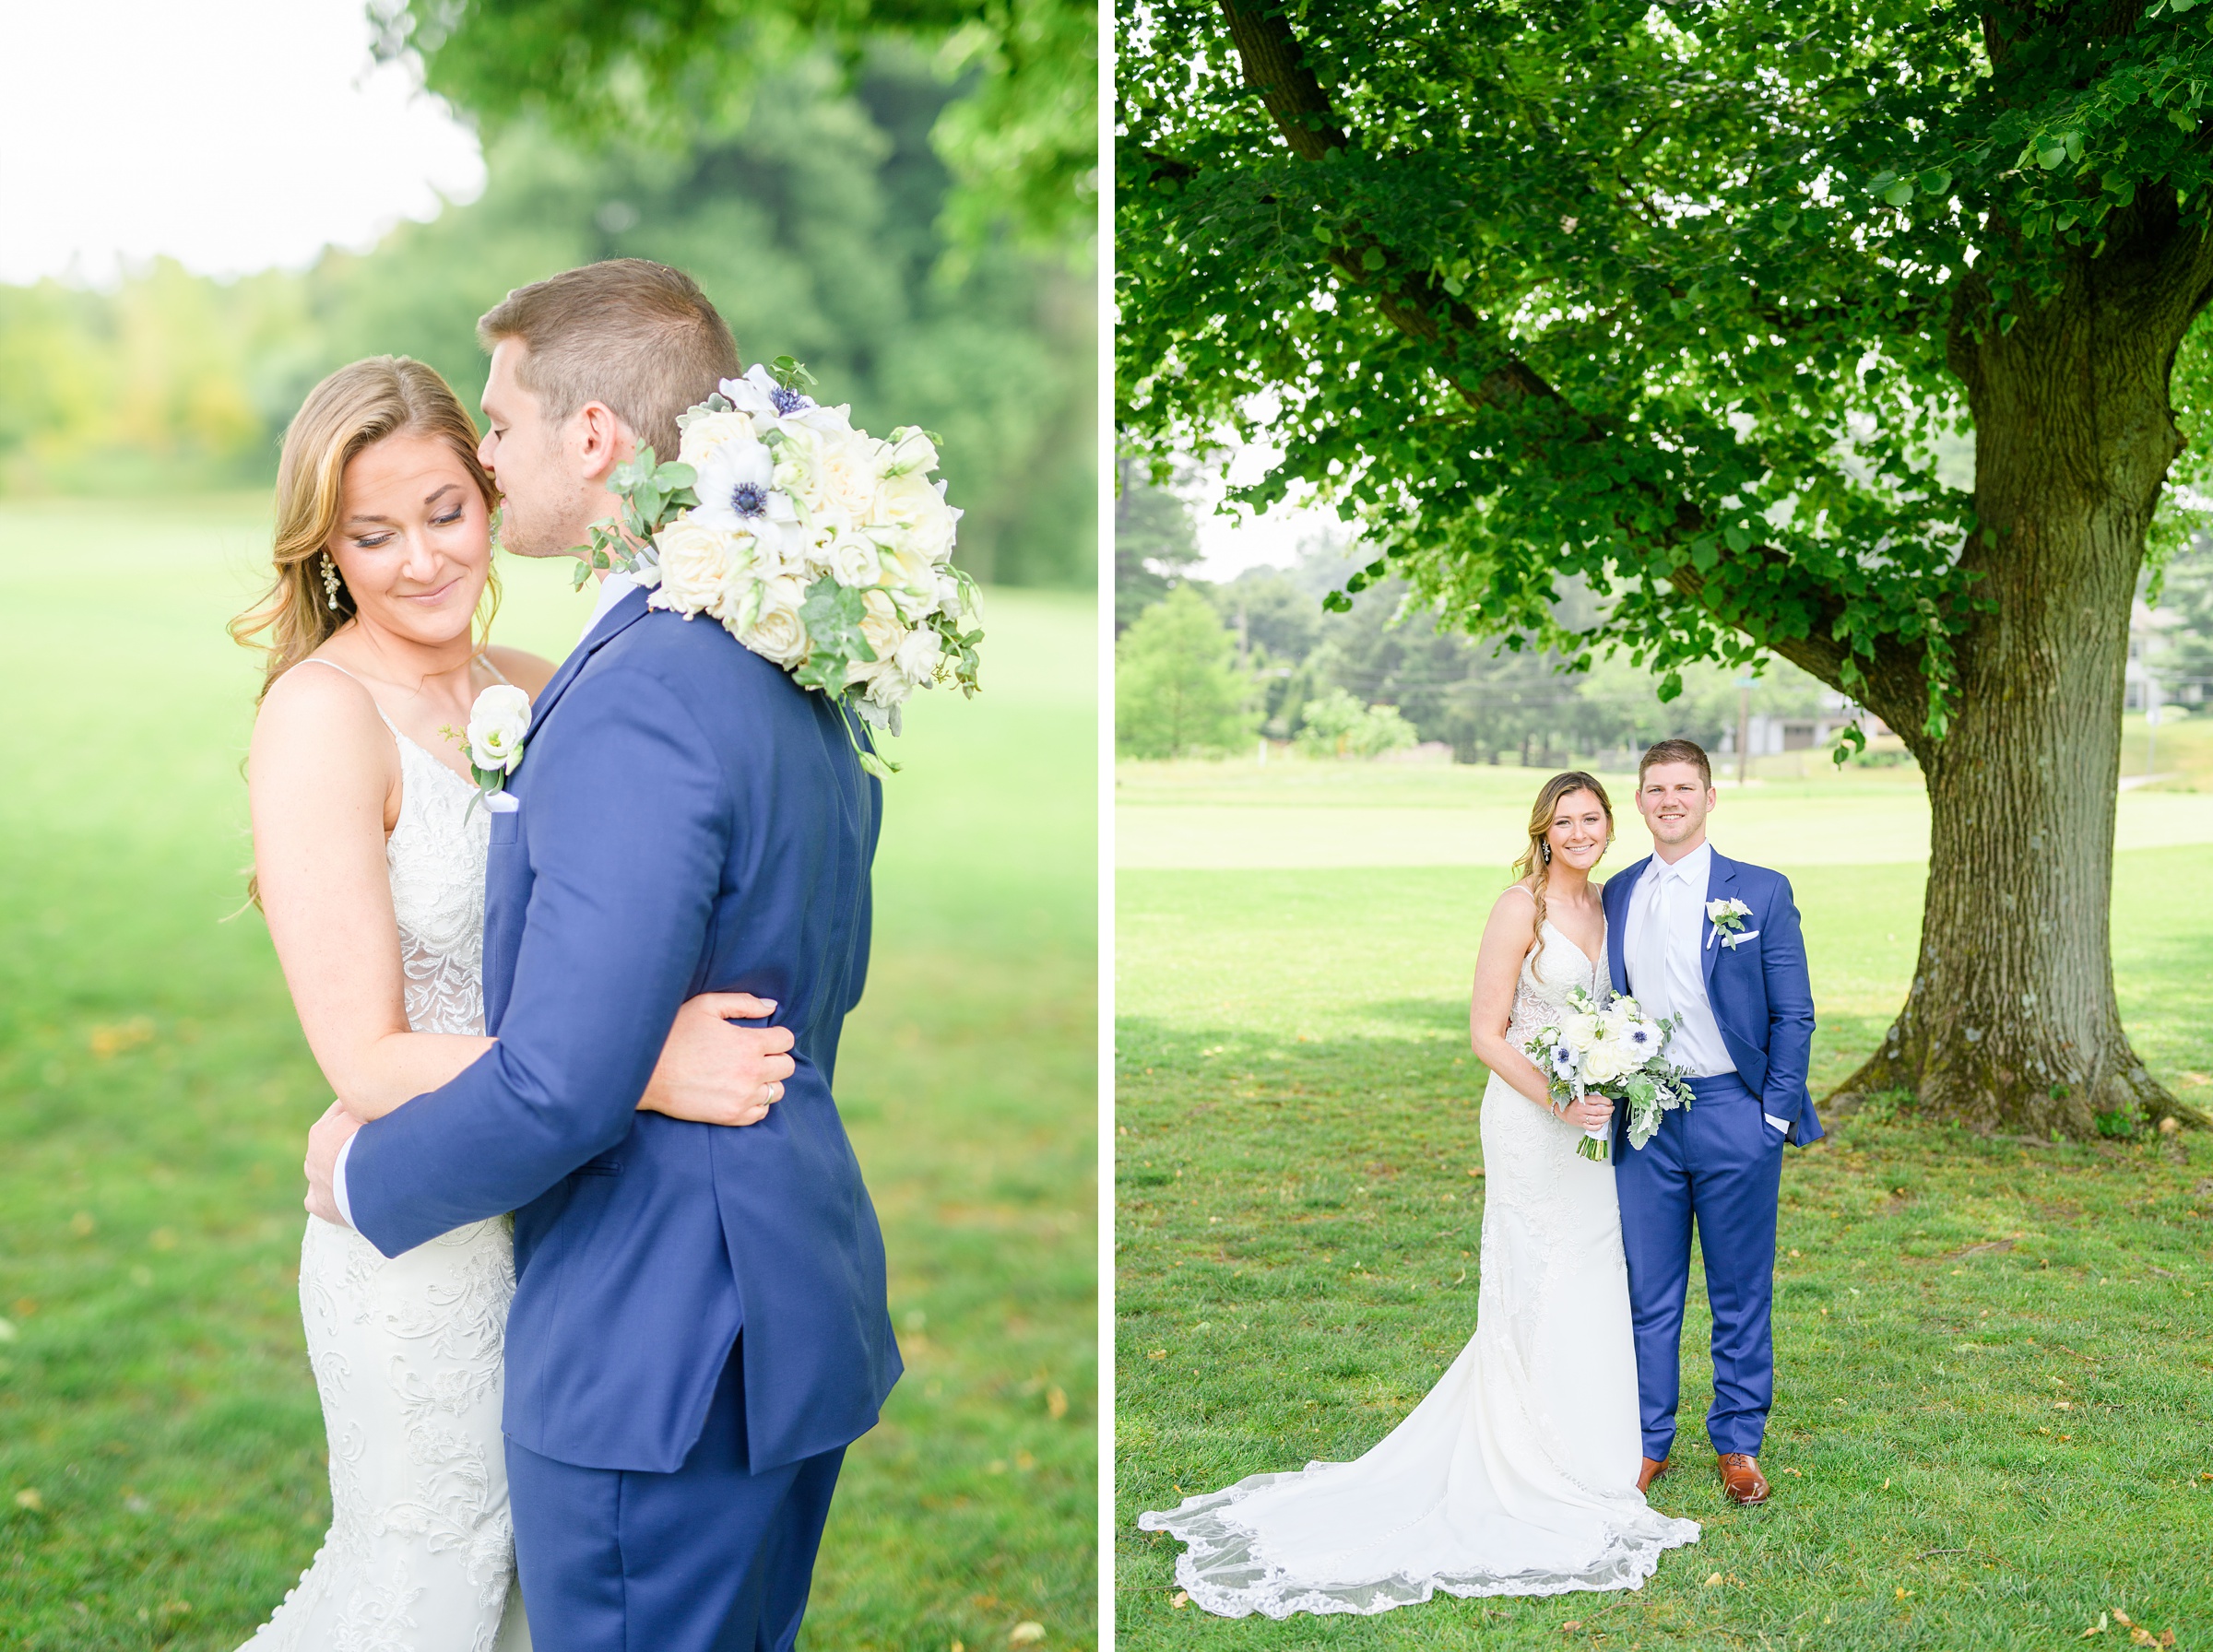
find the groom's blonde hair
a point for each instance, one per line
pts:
(636, 335)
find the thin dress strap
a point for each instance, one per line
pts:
(486, 659)
(313, 660)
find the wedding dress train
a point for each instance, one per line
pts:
(1516, 1473)
(406, 1353)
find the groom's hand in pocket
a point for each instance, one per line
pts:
(713, 1073)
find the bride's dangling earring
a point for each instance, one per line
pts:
(1547, 846)
(330, 580)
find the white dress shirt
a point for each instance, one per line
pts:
(613, 587)
(1663, 946)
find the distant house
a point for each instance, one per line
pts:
(1769, 735)
(2148, 680)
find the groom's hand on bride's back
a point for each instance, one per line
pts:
(713, 1073)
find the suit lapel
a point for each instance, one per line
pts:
(626, 613)
(1721, 878)
(1618, 920)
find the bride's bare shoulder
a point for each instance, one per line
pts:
(1507, 929)
(316, 718)
(1515, 901)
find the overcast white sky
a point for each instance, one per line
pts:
(1231, 544)
(231, 135)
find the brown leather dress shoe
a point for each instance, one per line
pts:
(1650, 1472)
(1741, 1479)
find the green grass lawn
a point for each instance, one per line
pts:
(162, 1475)
(1995, 1414)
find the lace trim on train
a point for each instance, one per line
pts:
(1224, 1573)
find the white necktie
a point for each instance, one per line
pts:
(1652, 951)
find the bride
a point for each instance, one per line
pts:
(368, 857)
(1517, 1473)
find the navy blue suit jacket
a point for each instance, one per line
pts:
(1760, 992)
(690, 820)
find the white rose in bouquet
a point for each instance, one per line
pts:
(707, 433)
(911, 582)
(917, 655)
(696, 562)
(949, 595)
(1602, 1064)
(1581, 1031)
(778, 634)
(887, 689)
(847, 477)
(854, 562)
(497, 723)
(880, 625)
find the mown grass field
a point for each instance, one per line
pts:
(162, 1476)
(1995, 1416)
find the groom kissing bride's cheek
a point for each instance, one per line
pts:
(1647, 1045)
(524, 966)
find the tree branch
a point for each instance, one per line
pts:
(1413, 302)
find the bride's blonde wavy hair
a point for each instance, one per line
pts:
(353, 409)
(1529, 871)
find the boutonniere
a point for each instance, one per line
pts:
(1728, 919)
(494, 740)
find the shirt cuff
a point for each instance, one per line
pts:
(1780, 1124)
(337, 1181)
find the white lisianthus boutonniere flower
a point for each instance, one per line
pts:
(1728, 920)
(493, 742)
(814, 544)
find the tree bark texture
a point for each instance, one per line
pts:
(2011, 1022)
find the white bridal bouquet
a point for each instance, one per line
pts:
(1615, 1052)
(814, 543)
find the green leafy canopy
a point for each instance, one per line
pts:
(1022, 140)
(1668, 298)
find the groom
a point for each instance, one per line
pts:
(1715, 942)
(699, 1327)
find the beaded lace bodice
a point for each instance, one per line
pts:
(1541, 997)
(436, 855)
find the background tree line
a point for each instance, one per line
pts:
(1210, 666)
(815, 218)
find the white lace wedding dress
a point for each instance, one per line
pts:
(1517, 1474)
(406, 1353)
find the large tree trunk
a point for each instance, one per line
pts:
(2011, 1022)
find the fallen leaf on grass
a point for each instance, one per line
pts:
(29, 1499)
(1714, 1582)
(2097, 1628)
(1570, 1626)
(1178, 1600)
(1026, 1634)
